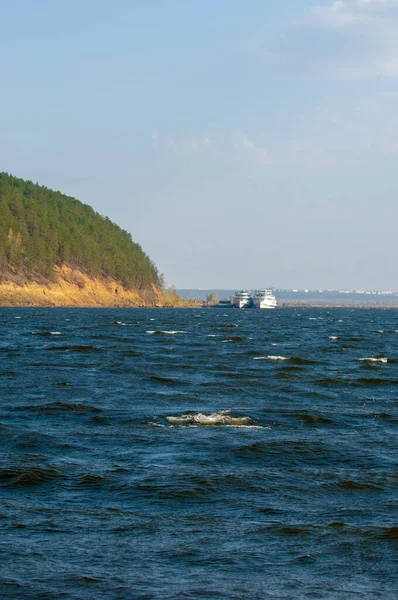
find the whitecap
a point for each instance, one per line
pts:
(172, 332)
(333, 337)
(212, 419)
(381, 359)
(270, 357)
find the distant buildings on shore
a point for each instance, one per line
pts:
(309, 296)
(368, 292)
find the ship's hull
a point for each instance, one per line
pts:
(268, 303)
(264, 299)
(242, 302)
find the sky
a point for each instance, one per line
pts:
(242, 144)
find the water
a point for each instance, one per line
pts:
(158, 454)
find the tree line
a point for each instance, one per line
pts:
(40, 228)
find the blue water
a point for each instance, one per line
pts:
(161, 454)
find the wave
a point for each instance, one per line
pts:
(165, 380)
(349, 484)
(388, 533)
(293, 453)
(287, 375)
(310, 418)
(45, 333)
(158, 332)
(73, 348)
(211, 419)
(361, 381)
(385, 417)
(382, 359)
(33, 476)
(374, 381)
(294, 359)
(271, 357)
(63, 406)
(91, 480)
(298, 360)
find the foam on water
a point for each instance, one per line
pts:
(271, 357)
(172, 332)
(211, 419)
(382, 359)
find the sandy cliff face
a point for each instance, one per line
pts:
(75, 288)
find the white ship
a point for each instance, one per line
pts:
(264, 299)
(242, 299)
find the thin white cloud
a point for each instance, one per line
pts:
(261, 155)
(335, 16)
(361, 39)
(343, 40)
(379, 3)
(182, 145)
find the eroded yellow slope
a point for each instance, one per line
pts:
(75, 288)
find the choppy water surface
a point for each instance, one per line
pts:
(198, 453)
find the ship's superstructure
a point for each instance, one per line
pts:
(264, 299)
(256, 299)
(243, 299)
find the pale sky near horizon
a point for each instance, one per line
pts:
(242, 144)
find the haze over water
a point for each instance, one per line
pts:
(198, 453)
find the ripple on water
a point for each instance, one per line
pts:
(27, 476)
(160, 460)
(56, 407)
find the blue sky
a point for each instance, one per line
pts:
(242, 144)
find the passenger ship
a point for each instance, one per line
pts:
(242, 299)
(264, 299)
(256, 299)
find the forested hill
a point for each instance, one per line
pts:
(40, 228)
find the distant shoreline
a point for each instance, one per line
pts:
(292, 303)
(192, 305)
